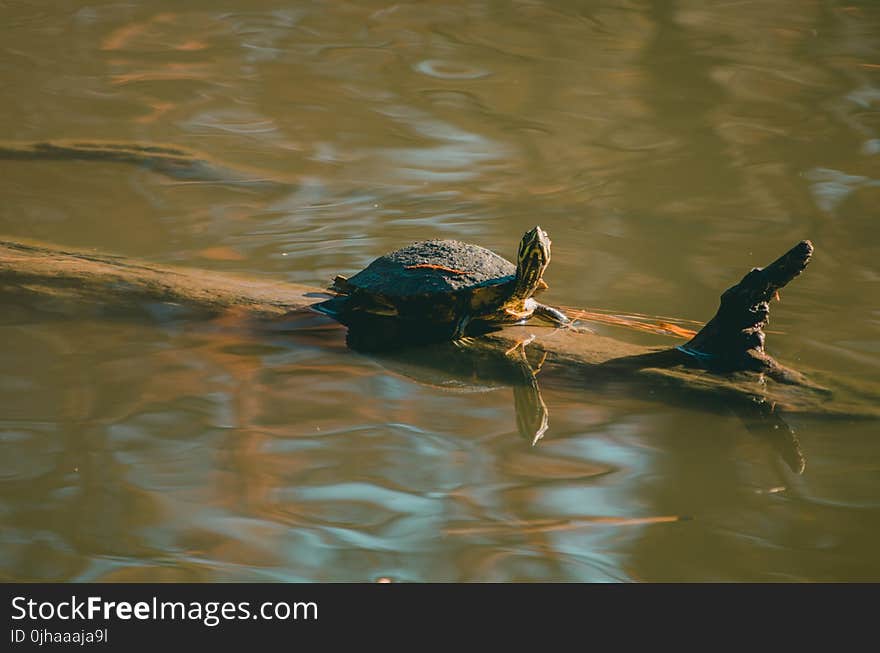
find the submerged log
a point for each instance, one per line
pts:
(169, 160)
(732, 342)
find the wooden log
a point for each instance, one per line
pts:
(71, 281)
(75, 278)
(733, 340)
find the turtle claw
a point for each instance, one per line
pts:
(559, 319)
(577, 327)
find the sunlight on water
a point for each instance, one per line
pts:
(666, 147)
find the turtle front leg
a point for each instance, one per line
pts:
(459, 329)
(558, 318)
(512, 314)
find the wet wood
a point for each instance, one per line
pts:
(73, 281)
(72, 278)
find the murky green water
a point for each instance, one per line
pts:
(667, 147)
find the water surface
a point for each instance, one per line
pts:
(667, 147)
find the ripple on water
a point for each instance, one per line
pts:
(25, 452)
(442, 69)
(131, 451)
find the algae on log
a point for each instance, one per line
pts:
(69, 280)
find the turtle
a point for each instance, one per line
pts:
(446, 288)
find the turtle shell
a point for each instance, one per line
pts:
(433, 267)
(426, 285)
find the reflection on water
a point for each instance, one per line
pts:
(666, 147)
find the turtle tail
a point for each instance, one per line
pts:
(334, 307)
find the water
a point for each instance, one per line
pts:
(666, 148)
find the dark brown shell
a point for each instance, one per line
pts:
(460, 268)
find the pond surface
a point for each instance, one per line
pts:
(667, 147)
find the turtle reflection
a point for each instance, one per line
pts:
(466, 364)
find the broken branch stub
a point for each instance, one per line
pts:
(734, 338)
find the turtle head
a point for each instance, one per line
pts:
(531, 261)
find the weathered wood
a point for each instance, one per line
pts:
(734, 338)
(75, 278)
(70, 281)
